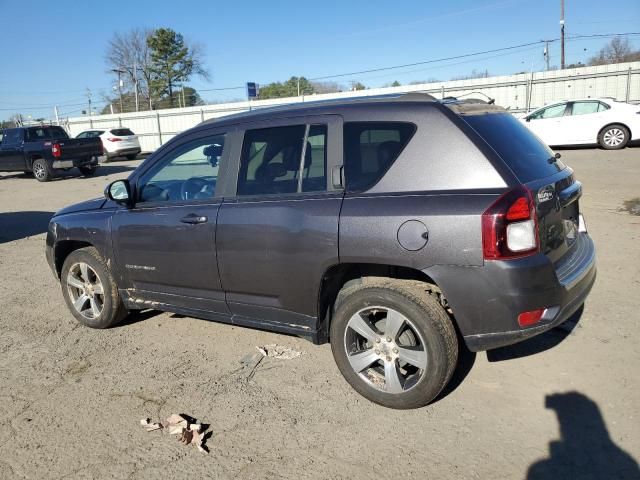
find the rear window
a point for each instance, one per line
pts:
(522, 151)
(121, 132)
(370, 148)
(35, 134)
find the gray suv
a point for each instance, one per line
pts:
(396, 228)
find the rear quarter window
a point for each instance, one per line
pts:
(370, 148)
(526, 155)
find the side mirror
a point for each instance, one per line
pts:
(120, 192)
(527, 118)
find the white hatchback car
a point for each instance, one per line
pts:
(116, 142)
(590, 121)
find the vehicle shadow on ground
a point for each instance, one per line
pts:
(101, 171)
(585, 449)
(537, 344)
(18, 225)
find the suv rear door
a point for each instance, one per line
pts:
(279, 233)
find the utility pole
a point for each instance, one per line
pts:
(298, 86)
(89, 101)
(135, 85)
(546, 53)
(55, 111)
(184, 103)
(562, 34)
(119, 71)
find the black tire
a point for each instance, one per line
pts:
(88, 171)
(41, 170)
(113, 309)
(614, 137)
(427, 317)
(132, 157)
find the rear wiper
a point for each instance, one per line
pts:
(555, 158)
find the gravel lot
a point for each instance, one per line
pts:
(563, 405)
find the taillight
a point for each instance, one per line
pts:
(510, 226)
(56, 150)
(114, 139)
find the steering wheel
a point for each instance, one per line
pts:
(191, 187)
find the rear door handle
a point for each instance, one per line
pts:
(193, 219)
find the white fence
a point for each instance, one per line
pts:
(519, 93)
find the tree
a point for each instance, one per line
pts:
(173, 62)
(290, 88)
(616, 51)
(357, 86)
(130, 53)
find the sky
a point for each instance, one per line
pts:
(61, 53)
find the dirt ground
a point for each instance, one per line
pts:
(563, 405)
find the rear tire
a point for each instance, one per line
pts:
(393, 342)
(614, 137)
(41, 170)
(90, 291)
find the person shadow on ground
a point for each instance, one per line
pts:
(585, 449)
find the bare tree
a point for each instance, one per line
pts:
(616, 51)
(130, 53)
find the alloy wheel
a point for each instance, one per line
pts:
(85, 290)
(385, 349)
(613, 137)
(39, 170)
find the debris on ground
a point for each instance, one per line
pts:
(188, 430)
(279, 351)
(146, 422)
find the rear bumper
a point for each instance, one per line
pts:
(124, 151)
(486, 301)
(77, 162)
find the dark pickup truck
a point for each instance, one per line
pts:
(44, 150)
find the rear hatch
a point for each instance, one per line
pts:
(555, 191)
(127, 139)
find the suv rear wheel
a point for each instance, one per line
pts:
(393, 342)
(90, 291)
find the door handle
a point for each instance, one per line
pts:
(194, 219)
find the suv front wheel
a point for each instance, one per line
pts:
(393, 342)
(89, 289)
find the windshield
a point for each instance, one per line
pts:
(527, 156)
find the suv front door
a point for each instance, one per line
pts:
(279, 233)
(165, 244)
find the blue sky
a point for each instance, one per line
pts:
(61, 53)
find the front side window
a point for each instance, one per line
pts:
(12, 137)
(584, 108)
(550, 112)
(272, 160)
(189, 172)
(370, 148)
